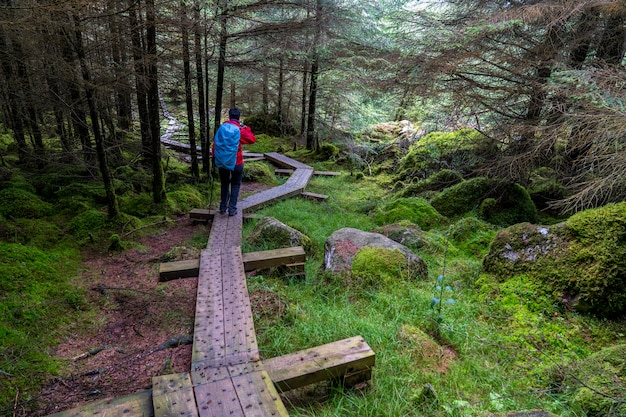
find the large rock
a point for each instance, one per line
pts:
(273, 234)
(342, 246)
(581, 261)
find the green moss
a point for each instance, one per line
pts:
(39, 233)
(513, 205)
(581, 261)
(472, 235)
(436, 182)
(259, 172)
(88, 223)
(35, 297)
(545, 187)
(461, 151)
(375, 268)
(19, 203)
(415, 210)
(184, 199)
(603, 373)
(463, 197)
(327, 151)
(139, 205)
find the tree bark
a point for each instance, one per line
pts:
(111, 198)
(191, 127)
(200, 88)
(158, 176)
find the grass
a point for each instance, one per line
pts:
(503, 347)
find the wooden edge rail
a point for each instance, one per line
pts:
(253, 260)
(349, 360)
(133, 405)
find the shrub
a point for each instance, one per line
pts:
(416, 210)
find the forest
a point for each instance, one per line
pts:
(488, 135)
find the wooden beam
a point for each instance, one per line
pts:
(350, 360)
(206, 214)
(254, 260)
(314, 196)
(133, 405)
(271, 258)
(169, 271)
(172, 395)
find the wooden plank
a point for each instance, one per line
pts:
(330, 361)
(272, 258)
(314, 196)
(173, 396)
(179, 269)
(208, 337)
(218, 399)
(258, 396)
(287, 171)
(239, 333)
(284, 161)
(253, 260)
(133, 405)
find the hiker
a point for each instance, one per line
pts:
(228, 157)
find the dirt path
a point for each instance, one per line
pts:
(116, 352)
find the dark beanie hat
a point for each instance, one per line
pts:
(234, 113)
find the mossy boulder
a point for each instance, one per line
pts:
(343, 245)
(39, 233)
(603, 372)
(499, 203)
(581, 261)
(376, 268)
(464, 196)
(184, 199)
(88, 223)
(407, 234)
(18, 203)
(414, 209)
(472, 234)
(270, 233)
(436, 182)
(259, 172)
(462, 151)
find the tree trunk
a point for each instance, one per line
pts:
(200, 88)
(305, 71)
(221, 65)
(191, 127)
(111, 198)
(140, 82)
(310, 132)
(158, 176)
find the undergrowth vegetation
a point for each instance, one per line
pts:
(504, 342)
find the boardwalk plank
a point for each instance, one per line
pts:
(173, 396)
(133, 405)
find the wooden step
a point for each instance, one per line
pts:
(253, 260)
(205, 214)
(349, 360)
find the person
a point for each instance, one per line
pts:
(228, 158)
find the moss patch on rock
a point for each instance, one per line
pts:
(258, 171)
(582, 261)
(376, 268)
(438, 181)
(414, 209)
(464, 196)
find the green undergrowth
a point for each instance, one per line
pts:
(498, 347)
(36, 297)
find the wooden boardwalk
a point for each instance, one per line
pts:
(227, 377)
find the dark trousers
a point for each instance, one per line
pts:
(230, 182)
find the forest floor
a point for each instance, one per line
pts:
(138, 327)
